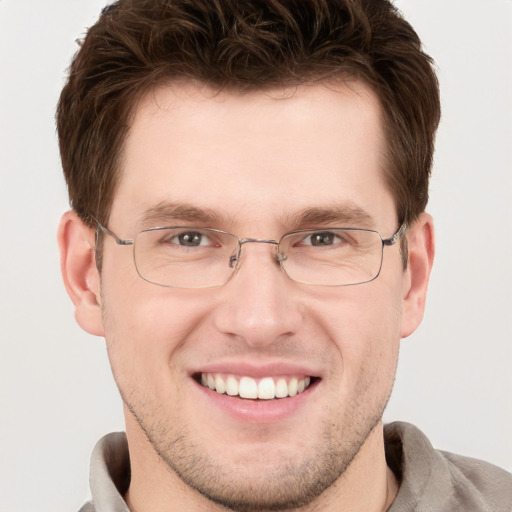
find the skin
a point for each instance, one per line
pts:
(254, 161)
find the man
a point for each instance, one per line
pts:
(249, 183)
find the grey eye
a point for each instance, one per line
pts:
(321, 239)
(190, 239)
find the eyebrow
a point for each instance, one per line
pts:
(345, 215)
(167, 213)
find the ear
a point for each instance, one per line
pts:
(421, 249)
(78, 266)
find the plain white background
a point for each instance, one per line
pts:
(454, 380)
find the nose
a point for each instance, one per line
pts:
(259, 304)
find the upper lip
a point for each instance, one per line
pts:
(258, 370)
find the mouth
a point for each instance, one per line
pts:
(266, 388)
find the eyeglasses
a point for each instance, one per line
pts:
(192, 257)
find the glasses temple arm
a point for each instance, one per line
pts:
(394, 238)
(106, 231)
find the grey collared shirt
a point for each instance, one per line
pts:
(430, 480)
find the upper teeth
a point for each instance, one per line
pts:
(247, 387)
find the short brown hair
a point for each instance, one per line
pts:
(243, 44)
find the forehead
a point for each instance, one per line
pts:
(257, 154)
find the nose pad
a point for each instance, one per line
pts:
(280, 257)
(233, 260)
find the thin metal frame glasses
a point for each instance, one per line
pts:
(196, 257)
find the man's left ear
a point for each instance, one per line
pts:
(421, 249)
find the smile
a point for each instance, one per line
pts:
(266, 388)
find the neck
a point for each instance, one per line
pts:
(367, 485)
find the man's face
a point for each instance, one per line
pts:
(254, 164)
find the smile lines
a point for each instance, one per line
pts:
(267, 388)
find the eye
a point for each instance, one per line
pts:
(322, 239)
(190, 239)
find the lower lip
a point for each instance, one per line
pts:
(258, 411)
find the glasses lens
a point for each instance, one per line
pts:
(185, 257)
(332, 257)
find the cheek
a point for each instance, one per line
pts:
(145, 329)
(363, 323)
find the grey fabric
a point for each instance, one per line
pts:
(430, 480)
(110, 474)
(435, 481)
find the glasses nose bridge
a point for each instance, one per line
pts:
(243, 241)
(235, 259)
